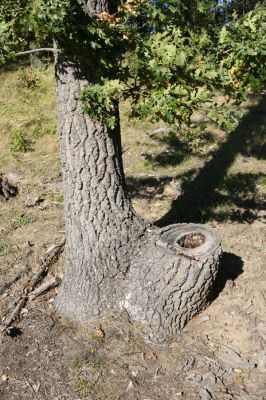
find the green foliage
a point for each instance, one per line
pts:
(5, 247)
(99, 100)
(225, 116)
(194, 139)
(174, 71)
(28, 78)
(48, 17)
(24, 219)
(242, 54)
(19, 143)
(167, 58)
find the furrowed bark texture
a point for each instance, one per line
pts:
(100, 223)
(168, 284)
(114, 261)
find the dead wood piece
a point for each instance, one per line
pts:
(44, 287)
(7, 189)
(50, 257)
(9, 283)
(159, 131)
(14, 314)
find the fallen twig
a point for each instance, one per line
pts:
(14, 313)
(50, 256)
(158, 131)
(44, 287)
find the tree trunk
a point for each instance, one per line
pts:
(114, 260)
(101, 225)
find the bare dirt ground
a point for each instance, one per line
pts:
(220, 354)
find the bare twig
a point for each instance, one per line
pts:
(14, 313)
(22, 53)
(48, 259)
(50, 256)
(53, 282)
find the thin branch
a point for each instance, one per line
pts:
(53, 282)
(21, 53)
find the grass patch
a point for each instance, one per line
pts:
(19, 143)
(86, 369)
(28, 109)
(24, 219)
(262, 181)
(5, 248)
(58, 198)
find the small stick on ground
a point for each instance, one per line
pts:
(50, 257)
(44, 287)
(14, 314)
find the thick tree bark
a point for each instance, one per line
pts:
(101, 225)
(100, 222)
(114, 260)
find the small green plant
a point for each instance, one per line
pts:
(148, 164)
(86, 362)
(76, 362)
(19, 143)
(262, 180)
(58, 198)
(28, 78)
(5, 248)
(194, 139)
(24, 219)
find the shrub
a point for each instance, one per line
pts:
(28, 78)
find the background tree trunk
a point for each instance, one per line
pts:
(113, 259)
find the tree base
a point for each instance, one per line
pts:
(170, 279)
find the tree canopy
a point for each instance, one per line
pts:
(168, 58)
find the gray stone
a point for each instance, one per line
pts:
(262, 361)
(234, 360)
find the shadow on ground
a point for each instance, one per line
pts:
(231, 266)
(212, 192)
